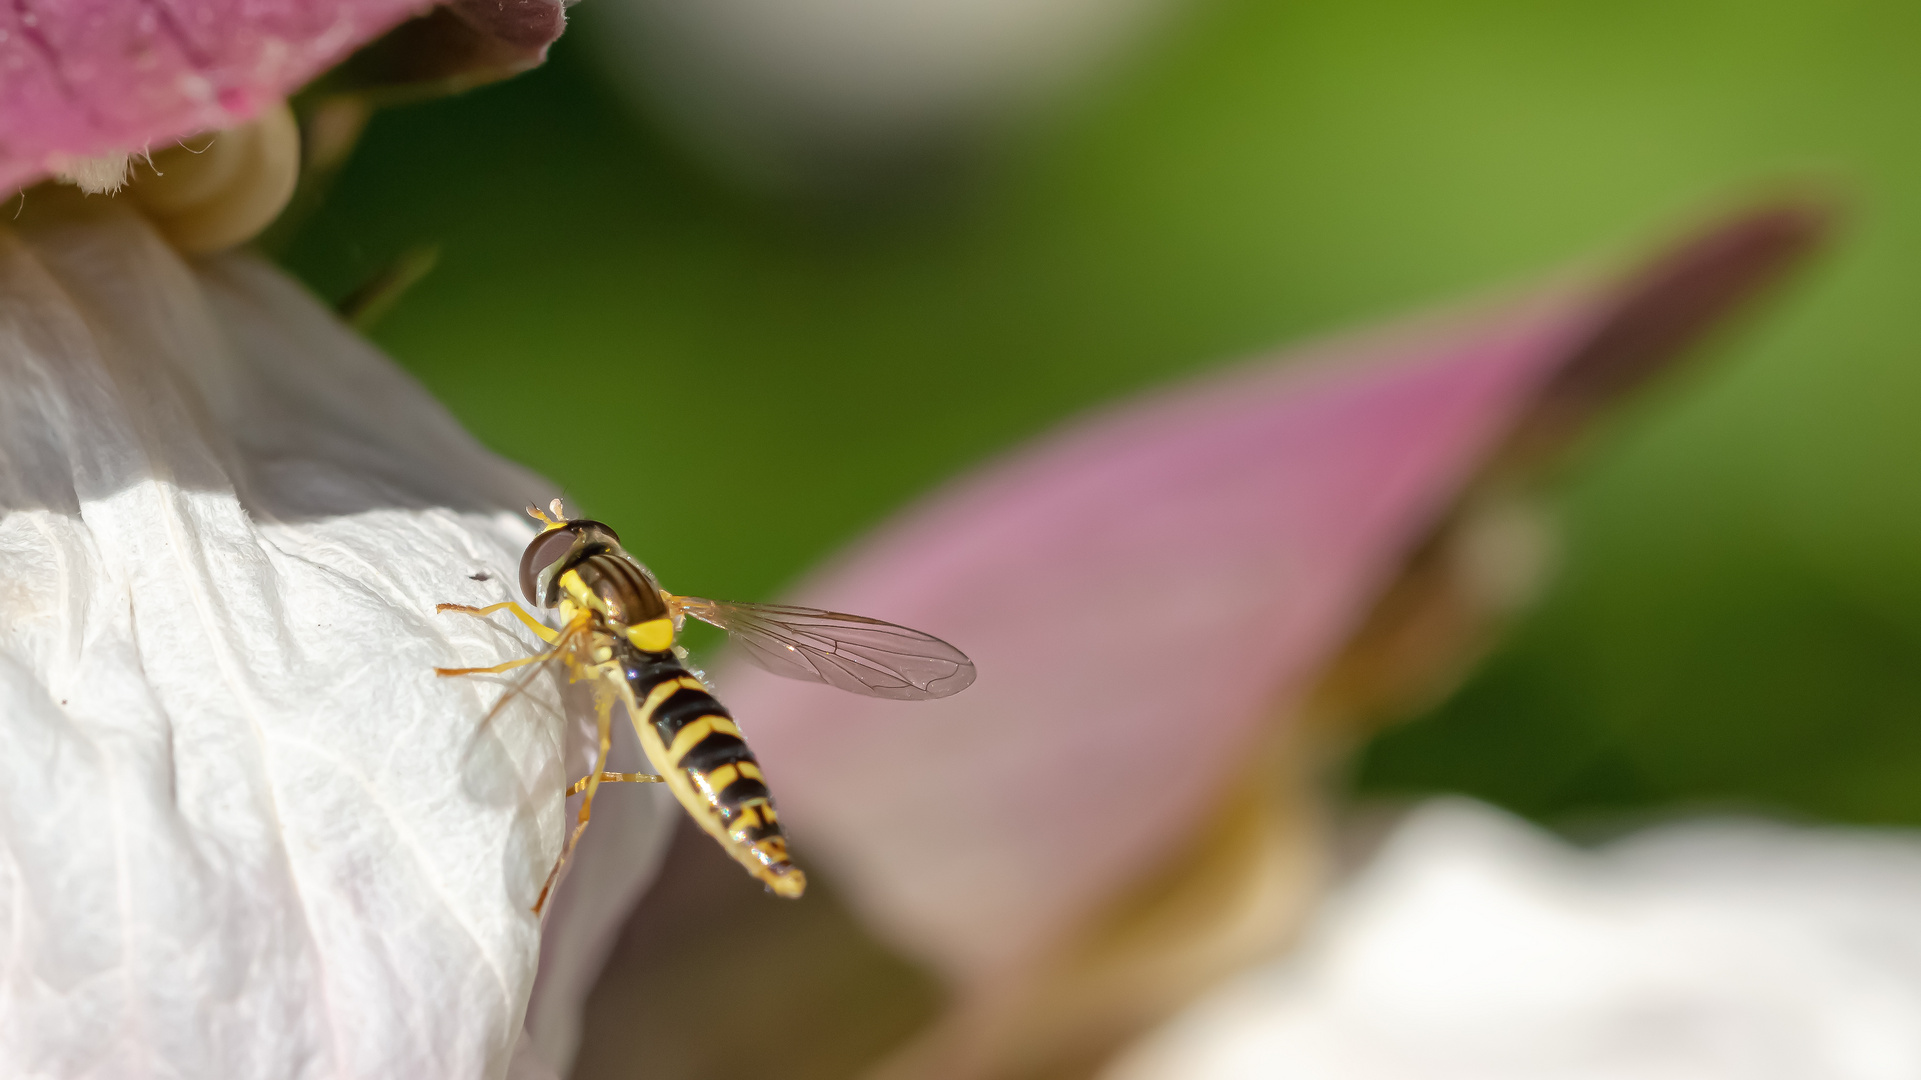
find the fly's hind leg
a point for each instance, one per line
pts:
(580, 785)
(604, 727)
(444, 672)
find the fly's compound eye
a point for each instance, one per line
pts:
(546, 549)
(591, 529)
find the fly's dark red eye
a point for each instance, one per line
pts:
(547, 549)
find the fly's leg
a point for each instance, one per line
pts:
(580, 785)
(562, 640)
(547, 635)
(444, 672)
(558, 638)
(604, 725)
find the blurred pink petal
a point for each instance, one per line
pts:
(1135, 593)
(85, 77)
(1147, 590)
(531, 25)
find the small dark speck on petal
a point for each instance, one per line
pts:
(481, 576)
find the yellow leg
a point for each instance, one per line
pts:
(547, 635)
(604, 723)
(618, 778)
(497, 668)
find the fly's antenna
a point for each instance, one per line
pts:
(560, 512)
(554, 522)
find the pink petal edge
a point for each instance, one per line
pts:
(85, 77)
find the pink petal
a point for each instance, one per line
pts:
(529, 25)
(87, 77)
(1145, 591)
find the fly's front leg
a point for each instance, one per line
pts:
(547, 635)
(556, 638)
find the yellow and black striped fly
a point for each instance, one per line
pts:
(617, 633)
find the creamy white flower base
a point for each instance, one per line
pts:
(247, 833)
(1476, 947)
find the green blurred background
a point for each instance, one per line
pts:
(744, 382)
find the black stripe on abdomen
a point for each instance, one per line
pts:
(686, 706)
(699, 736)
(645, 670)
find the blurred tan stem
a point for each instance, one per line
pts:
(217, 191)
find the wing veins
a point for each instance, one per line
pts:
(876, 657)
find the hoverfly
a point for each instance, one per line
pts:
(617, 633)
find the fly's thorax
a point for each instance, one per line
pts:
(616, 588)
(624, 597)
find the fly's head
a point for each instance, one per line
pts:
(563, 544)
(578, 563)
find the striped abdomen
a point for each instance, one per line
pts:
(694, 745)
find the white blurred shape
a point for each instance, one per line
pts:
(1476, 946)
(786, 87)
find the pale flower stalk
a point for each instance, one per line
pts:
(246, 831)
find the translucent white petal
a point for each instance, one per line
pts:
(1478, 948)
(244, 830)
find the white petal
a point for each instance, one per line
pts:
(1478, 947)
(246, 831)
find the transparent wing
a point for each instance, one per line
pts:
(852, 652)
